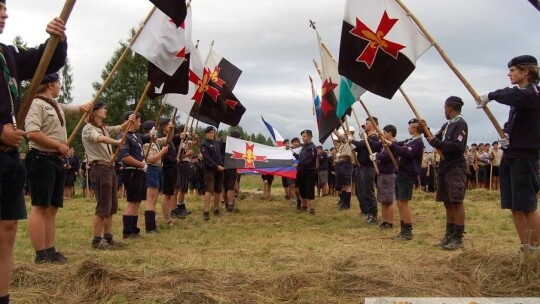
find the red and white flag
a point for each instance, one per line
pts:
(197, 86)
(379, 45)
(163, 43)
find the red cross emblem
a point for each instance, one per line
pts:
(249, 156)
(376, 40)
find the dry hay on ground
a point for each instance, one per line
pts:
(348, 280)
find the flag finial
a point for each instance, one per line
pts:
(312, 24)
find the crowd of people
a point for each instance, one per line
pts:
(379, 168)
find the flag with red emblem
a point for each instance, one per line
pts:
(379, 45)
(159, 37)
(214, 98)
(327, 119)
(241, 154)
(163, 43)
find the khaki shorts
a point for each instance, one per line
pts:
(451, 185)
(385, 188)
(323, 177)
(213, 180)
(104, 179)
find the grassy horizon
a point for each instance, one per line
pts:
(270, 253)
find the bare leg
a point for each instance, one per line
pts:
(8, 230)
(217, 200)
(37, 227)
(207, 198)
(107, 224)
(533, 223)
(404, 212)
(97, 225)
(50, 227)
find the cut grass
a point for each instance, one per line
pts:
(270, 253)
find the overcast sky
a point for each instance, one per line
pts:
(274, 46)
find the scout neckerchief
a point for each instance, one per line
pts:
(53, 104)
(12, 85)
(451, 121)
(408, 141)
(106, 134)
(138, 142)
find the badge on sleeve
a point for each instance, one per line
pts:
(460, 137)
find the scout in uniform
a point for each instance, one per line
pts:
(213, 171)
(45, 127)
(16, 65)
(307, 166)
(451, 141)
(519, 177)
(97, 142)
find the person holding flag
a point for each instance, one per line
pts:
(213, 167)
(17, 65)
(451, 140)
(45, 127)
(366, 175)
(305, 178)
(386, 181)
(519, 177)
(410, 159)
(97, 144)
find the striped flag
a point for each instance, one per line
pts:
(278, 139)
(349, 93)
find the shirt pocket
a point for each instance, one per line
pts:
(50, 114)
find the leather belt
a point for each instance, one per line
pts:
(100, 162)
(49, 154)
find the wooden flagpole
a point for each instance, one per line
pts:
(386, 147)
(156, 125)
(179, 154)
(42, 68)
(171, 132)
(137, 108)
(364, 135)
(426, 129)
(453, 68)
(109, 78)
(411, 105)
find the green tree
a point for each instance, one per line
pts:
(19, 42)
(66, 77)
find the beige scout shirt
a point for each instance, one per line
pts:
(42, 117)
(497, 157)
(344, 151)
(98, 151)
(153, 151)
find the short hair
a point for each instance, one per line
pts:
(295, 139)
(474, 145)
(375, 119)
(454, 102)
(391, 129)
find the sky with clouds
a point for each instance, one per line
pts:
(272, 43)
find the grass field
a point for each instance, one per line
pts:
(269, 253)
